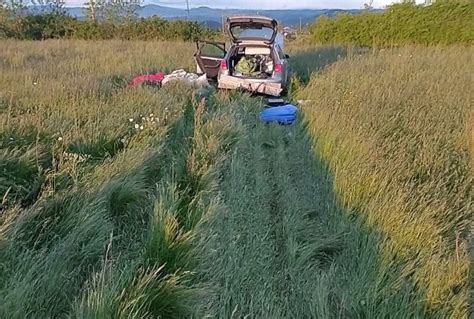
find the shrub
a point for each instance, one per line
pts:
(56, 25)
(444, 22)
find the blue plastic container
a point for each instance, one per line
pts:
(285, 114)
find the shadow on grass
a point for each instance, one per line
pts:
(306, 62)
(286, 246)
(309, 61)
(29, 163)
(372, 284)
(363, 283)
(56, 229)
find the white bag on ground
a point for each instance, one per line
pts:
(190, 78)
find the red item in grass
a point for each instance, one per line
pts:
(155, 78)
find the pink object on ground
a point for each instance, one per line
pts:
(149, 78)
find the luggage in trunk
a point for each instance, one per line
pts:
(253, 62)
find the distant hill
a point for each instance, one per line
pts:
(212, 18)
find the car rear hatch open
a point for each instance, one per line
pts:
(252, 28)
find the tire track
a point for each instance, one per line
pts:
(256, 272)
(282, 246)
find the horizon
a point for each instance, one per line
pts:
(279, 5)
(227, 8)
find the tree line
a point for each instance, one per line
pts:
(105, 19)
(442, 22)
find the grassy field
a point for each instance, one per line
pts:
(124, 202)
(396, 129)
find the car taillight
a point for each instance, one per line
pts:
(279, 68)
(223, 65)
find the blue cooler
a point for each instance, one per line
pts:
(285, 114)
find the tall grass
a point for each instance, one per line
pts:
(160, 282)
(84, 191)
(396, 130)
(65, 106)
(104, 187)
(171, 202)
(282, 246)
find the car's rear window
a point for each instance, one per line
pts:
(241, 32)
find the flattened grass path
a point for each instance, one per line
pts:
(282, 247)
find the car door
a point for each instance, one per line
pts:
(208, 57)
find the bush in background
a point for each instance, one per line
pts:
(56, 25)
(444, 22)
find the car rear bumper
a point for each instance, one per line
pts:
(263, 86)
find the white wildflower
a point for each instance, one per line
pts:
(60, 138)
(137, 126)
(141, 127)
(130, 120)
(151, 115)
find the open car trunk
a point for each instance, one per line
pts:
(256, 62)
(251, 68)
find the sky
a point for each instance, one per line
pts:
(263, 4)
